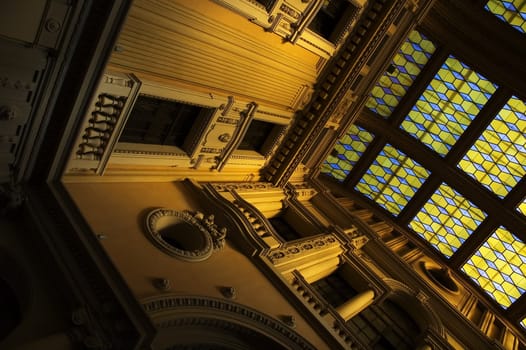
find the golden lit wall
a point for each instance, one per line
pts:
(117, 210)
(210, 47)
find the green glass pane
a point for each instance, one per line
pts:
(498, 158)
(499, 267)
(346, 152)
(512, 12)
(448, 105)
(392, 179)
(447, 220)
(405, 67)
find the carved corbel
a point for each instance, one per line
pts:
(226, 108)
(242, 127)
(309, 13)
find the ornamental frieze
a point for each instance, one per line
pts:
(295, 249)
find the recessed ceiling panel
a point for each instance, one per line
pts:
(498, 158)
(392, 179)
(346, 152)
(513, 12)
(448, 105)
(499, 267)
(405, 67)
(447, 220)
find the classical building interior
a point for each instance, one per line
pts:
(263, 174)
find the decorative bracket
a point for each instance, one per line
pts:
(239, 133)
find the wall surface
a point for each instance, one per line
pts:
(118, 210)
(31, 274)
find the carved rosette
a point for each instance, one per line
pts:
(249, 186)
(291, 251)
(185, 235)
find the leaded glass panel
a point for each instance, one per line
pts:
(498, 158)
(392, 179)
(346, 152)
(513, 12)
(522, 207)
(448, 105)
(499, 267)
(405, 67)
(447, 220)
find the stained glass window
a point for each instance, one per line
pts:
(498, 158)
(447, 220)
(513, 12)
(448, 105)
(522, 207)
(392, 179)
(346, 152)
(523, 323)
(406, 65)
(499, 267)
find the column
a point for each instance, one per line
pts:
(356, 304)
(320, 270)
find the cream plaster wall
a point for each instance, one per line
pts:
(117, 210)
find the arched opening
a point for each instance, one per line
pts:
(10, 310)
(192, 322)
(387, 325)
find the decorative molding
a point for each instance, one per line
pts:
(229, 292)
(169, 312)
(347, 66)
(319, 306)
(87, 330)
(357, 239)
(208, 236)
(293, 250)
(104, 121)
(225, 109)
(341, 109)
(242, 127)
(224, 137)
(273, 114)
(243, 186)
(163, 284)
(147, 153)
(202, 123)
(408, 296)
(211, 150)
(226, 120)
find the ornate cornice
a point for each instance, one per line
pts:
(293, 250)
(341, 76)
(208, 312)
